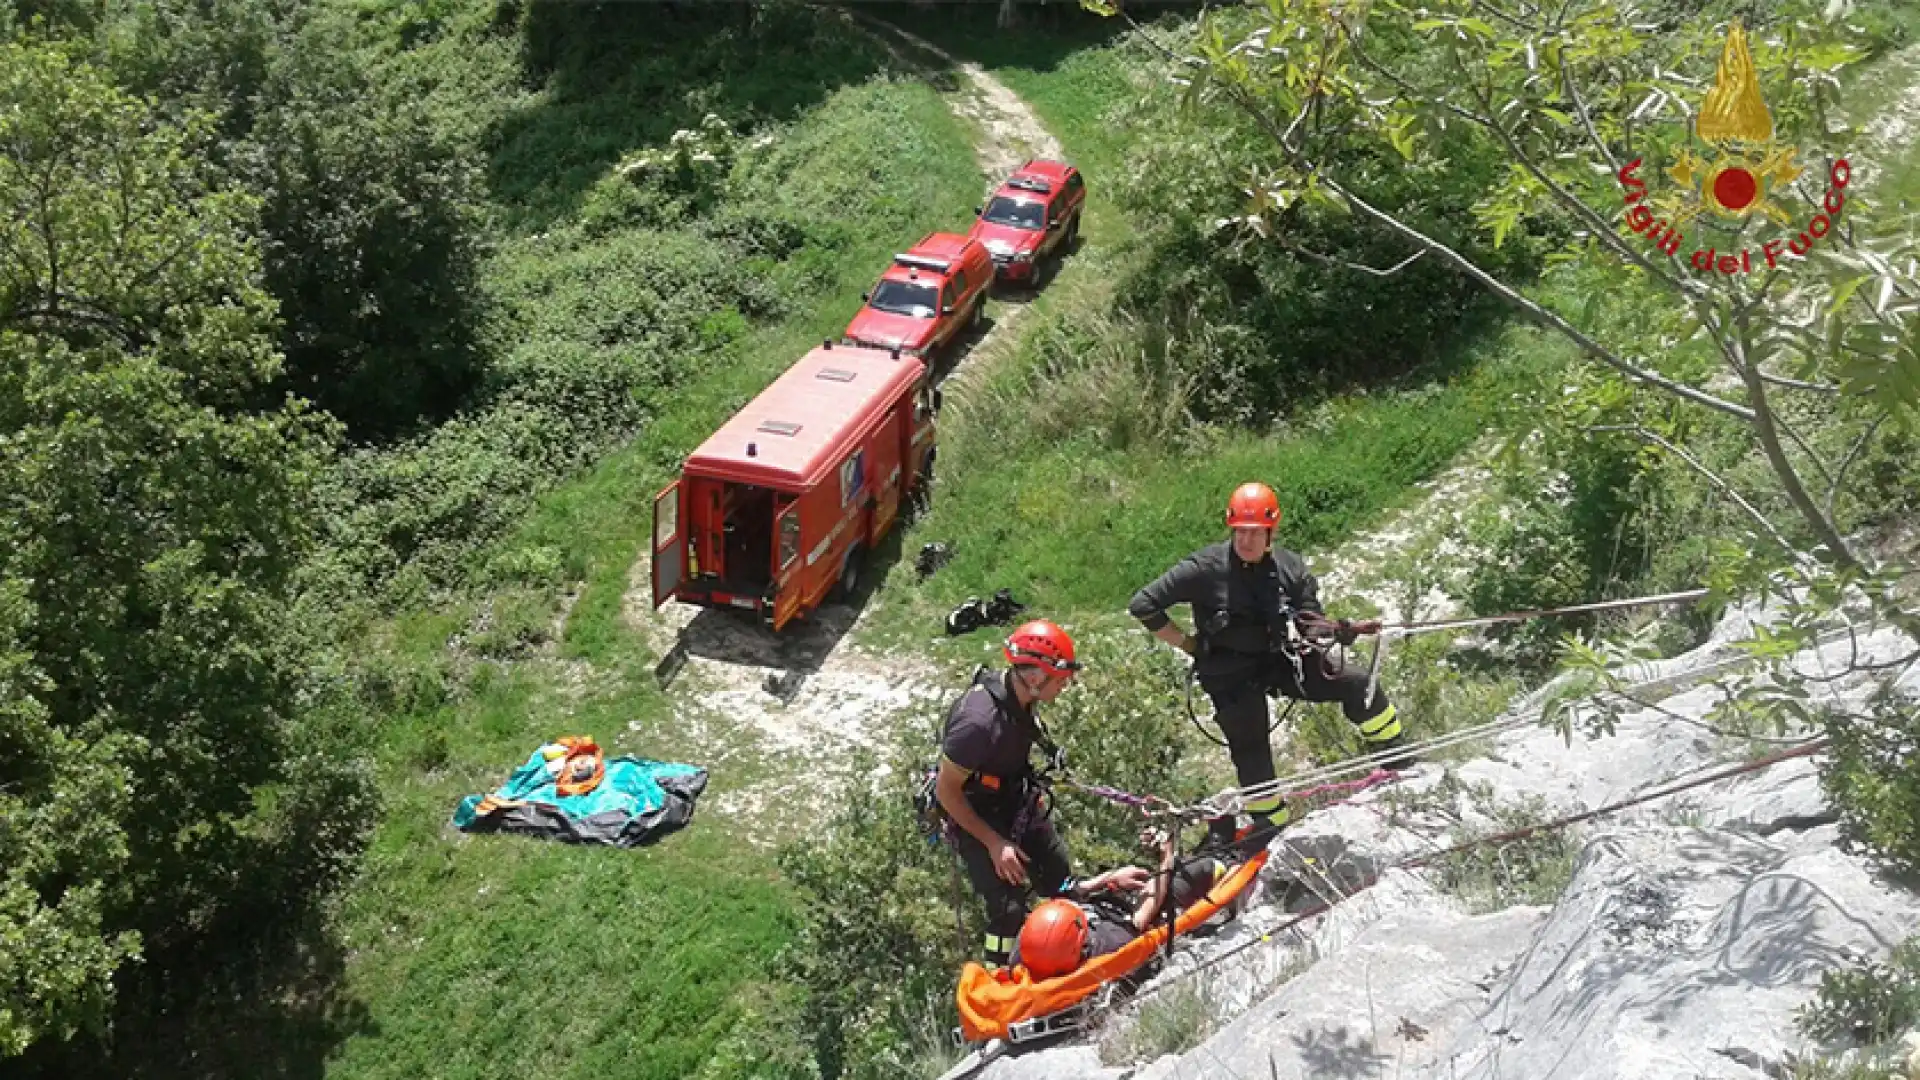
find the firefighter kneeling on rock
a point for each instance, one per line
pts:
(987, 785)
(1250, 602)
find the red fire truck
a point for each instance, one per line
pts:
(774, 512)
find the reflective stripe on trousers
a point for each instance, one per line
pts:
(1382, 727)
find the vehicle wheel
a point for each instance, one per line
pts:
(1073, 235)
(979, 312)
(849, 582)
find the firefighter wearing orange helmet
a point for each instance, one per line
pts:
(1249, 599)
(992, 794)
(1062, 934)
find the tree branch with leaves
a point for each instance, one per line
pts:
(1568, 92)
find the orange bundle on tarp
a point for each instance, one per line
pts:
(578, 746)
(990, 1002)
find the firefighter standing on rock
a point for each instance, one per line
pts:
(1250, 601)
(989, 789)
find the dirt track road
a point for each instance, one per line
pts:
(791, 710)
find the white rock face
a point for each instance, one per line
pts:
(1682, 952)
(1402, 991)
(1693, 929)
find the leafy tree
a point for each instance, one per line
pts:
(367, 222)
(371, 239)
(61, 798)
(1591, 103)
(1574, 95)
(148, 681)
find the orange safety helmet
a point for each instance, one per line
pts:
(1042, 644)
(1253, 506)
(1053, 939)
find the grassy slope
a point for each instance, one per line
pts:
(1074, 528)
(460, 944)
(499, 956)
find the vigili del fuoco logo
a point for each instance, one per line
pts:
(1744, 173)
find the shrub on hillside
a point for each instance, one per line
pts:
(1595, 514)
(153, 526)
(877, 937)
(1872, 771)
(1280, 314)
(1867, 1002)
(878, 952)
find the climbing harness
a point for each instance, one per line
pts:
(1321, 637)
(1194, 716)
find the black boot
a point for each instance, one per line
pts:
(1403, 757)
(1220, 832)
(1265, 827)
(967, 618)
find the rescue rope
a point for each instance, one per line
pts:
(1410, 628)
(1806, 749)
(1233, 800)
(1148, 803)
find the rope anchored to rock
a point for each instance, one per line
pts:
(1232, 800)
(1806, 749)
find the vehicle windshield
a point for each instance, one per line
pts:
(1020, 215)
(906, 298)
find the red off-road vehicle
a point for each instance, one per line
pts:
(927, 297)
(1031, 219)
(774, 511)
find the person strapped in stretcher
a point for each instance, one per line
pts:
(1062, 934)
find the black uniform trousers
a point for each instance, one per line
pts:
(1239, 683)
(1048, 868)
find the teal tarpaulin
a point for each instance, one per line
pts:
(638, 801)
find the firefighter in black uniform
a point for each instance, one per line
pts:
(988, 787)
(1246, 596)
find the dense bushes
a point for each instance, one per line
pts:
(1281, 311)
(371, 240)
(877, 953)
(367, 225)
(156, 761)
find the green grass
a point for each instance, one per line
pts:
(501, 955)
(1873, 89)
(1075, 527)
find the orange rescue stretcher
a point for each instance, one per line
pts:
(1010, 1004)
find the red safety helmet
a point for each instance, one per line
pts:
(1253, 506)
(1053, 939)
(1042, 644)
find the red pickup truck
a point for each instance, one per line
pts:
(931, 294)
(1032, 217)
